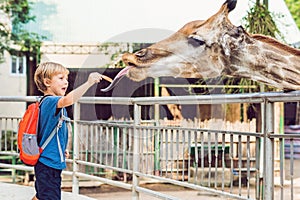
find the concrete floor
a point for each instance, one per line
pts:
(10, 191)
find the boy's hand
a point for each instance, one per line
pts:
(94, 77)
(75, 94)
(67, 154)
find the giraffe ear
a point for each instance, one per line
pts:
(230, 4)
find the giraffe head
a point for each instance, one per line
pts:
(207, 49)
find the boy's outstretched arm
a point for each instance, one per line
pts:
(75, 94)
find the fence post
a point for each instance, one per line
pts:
(75, 182)
(269, 152)
(136, 151)
(157, 132)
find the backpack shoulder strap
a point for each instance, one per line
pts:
(41, 99)
(64, 117)
(57, 127)
(54, 131)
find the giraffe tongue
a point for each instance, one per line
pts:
(117, 78)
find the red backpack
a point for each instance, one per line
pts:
(28, 134)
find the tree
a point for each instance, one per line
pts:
(14, 38)
(259, 20)
(294, 7)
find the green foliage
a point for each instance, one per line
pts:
(259, 20)
(18, 11)
(294, 7)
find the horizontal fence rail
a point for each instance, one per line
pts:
(124, 153)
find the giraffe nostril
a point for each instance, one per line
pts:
(131, 64)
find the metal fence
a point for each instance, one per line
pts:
(232, 164)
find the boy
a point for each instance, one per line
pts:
(52, 79)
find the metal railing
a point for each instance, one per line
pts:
(233, 164)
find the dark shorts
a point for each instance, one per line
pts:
(47, 183)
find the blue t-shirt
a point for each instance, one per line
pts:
(54, 153)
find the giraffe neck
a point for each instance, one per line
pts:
(268, 61)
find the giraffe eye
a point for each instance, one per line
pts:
(195, 40)
(141, 53)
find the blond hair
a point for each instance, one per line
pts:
(47, 70)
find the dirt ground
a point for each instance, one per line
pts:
(107, 192)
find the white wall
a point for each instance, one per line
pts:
(11, 85)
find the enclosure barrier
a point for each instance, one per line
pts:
(125, 153)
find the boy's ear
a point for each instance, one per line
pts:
(47, 82)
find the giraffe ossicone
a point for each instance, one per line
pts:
(215, 47)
